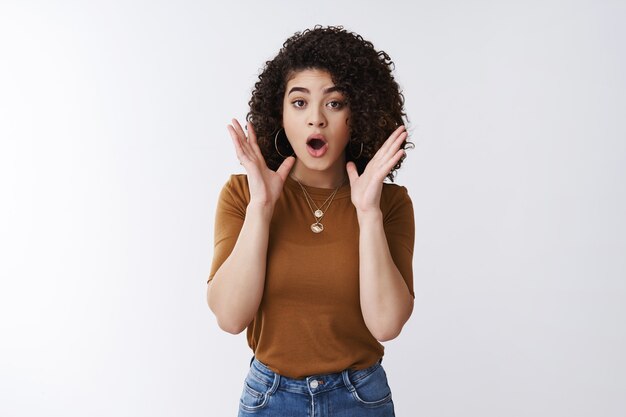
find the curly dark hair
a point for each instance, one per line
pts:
(361, 73)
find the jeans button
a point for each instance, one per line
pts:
(313, 384)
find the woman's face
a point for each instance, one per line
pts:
(315, 119)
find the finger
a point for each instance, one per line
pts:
(390, 140)
(242, 138)
(379, 169)
(253, 146)
(384, 156)
(239, 129)
(251, 132)
(236, 142)
(246, 146)
(388, 165)
(284, 168)
(397, 144)
(234, 136)
(252, 140)
(235, 128)
(353, 174)
(394, 143)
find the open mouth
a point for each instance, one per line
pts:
(316, 143)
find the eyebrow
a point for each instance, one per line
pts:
(306, 90)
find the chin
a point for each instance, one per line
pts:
(317, 164)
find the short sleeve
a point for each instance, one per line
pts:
(399, 225)
(229, 216)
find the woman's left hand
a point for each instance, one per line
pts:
(367, 188)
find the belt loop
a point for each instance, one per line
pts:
(275, 384)
(346, 380)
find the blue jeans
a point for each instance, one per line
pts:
(363, 393)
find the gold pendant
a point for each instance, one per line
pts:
(318, 213)
(317, 227)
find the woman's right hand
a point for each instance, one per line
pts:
(265, 184)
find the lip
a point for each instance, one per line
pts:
(319, 152)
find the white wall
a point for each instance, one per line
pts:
(113, 149)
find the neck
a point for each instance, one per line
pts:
(319, 179)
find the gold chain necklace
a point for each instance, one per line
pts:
(319, 212)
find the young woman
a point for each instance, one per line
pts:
(313, 252)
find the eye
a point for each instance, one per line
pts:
(335, 104)
(298, 103)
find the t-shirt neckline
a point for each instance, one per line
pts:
(343, 192)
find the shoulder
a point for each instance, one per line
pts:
(394, 194)
(236, 189)
(237, 183)
(397, 209)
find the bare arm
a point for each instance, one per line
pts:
(236, 290)
(386, 302)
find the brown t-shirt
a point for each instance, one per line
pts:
(309, 321)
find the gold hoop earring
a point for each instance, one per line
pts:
(352, 153)
(276, 144)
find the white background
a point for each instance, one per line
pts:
(114, 148)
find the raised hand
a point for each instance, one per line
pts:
(265, 184)
(367, 188)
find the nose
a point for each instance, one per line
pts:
(316, 118)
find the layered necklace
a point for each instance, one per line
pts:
(318, 212)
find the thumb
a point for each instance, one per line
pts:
(285, 167)
(353, 174)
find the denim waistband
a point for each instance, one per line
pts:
(311, 384)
